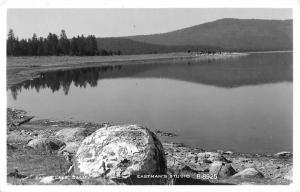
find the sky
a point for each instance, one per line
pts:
(124, 22)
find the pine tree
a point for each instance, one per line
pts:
(64, 43)
(10, 45)
(52, 44)
(33, 45)
(23, 47)
(73, 46)
(40, 47)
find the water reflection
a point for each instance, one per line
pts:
(227, 73)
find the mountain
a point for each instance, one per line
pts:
(227, 34)
(232, 34)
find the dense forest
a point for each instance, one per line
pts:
(54, 45)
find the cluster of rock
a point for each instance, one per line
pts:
(183, 160)
(113, 154)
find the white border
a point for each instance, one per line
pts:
(5, 4)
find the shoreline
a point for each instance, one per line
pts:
(20, 69)
(181, 160)
(24, 68)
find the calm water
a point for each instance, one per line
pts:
(242, 104)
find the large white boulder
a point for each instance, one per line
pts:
(119, 152)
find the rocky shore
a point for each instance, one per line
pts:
(64, 153)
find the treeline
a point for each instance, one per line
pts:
(54, 45)
(130, 47)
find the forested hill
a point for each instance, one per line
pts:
(224, 34)
(127, 46)
(230, 34)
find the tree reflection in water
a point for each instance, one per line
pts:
(253, 69)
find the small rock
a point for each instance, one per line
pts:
(15, 137)
(69, 181)
(223, 159)
(248, 173)
(158, 131)
(227, 170)
(220, 151)
(11, 147)
(72, 134)
(247, 161)
(71, 147)
(189, 169)
(45, 144)
(283, 154)
(16, 174)
(215, 167)
(30, 177)
(289, 175)
(221, 169)
(207, 161)
(212, 156)
(228, 153)
(48, 180)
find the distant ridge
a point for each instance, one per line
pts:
(226, 34)
(128, 46)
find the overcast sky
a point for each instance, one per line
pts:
(124, 22)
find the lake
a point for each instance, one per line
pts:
(243, 104)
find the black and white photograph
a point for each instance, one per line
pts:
(149, 96)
